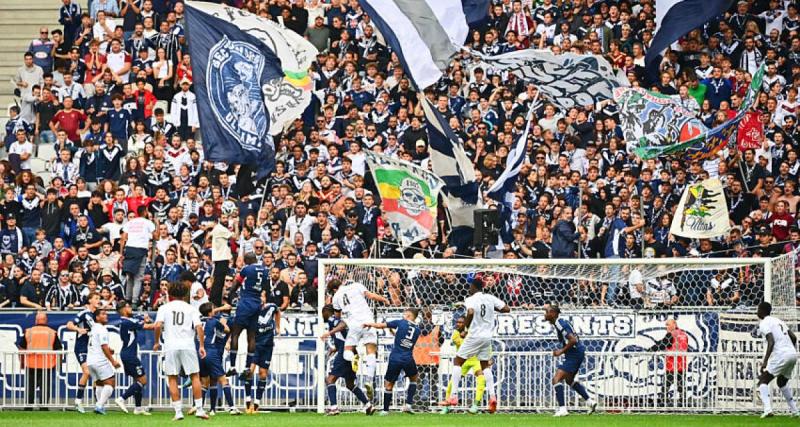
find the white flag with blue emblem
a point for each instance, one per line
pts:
(251, 79)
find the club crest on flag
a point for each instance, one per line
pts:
(702, 211)
(235, 93)
(412, 198)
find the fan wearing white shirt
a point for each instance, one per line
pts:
(101, 362)
(779, 359)
(481, 310)
(181, 325)
(351, 305)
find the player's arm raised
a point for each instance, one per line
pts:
(375, 297)
(376, 325)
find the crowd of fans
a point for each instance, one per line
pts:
(111, 92)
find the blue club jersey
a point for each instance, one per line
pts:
(215, 336)
(84, 319)
(563, 331)
(254, 276)
(338, 338)
(406, 335)
(265, 326)
(128, 332)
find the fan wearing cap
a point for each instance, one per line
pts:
(11, 237)
(184, 110)
(765, 242)
(352, 245)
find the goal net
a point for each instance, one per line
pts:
(617, 307)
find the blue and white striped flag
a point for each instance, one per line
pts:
(674, 18)
(451, 163)
(503, 188)
(424, 34)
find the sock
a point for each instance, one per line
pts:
(262, 384)
(132, 390)
(98, 390)
(455, 378)
(226, 390)
(177, 405)
(251, 357)
(204, 391)
(763, 390)
(412, 390)
(105, 393)
(232, 358)
(580, 389)
(80, 393)
(137, 397)
(332, 394)
(560, 394)
(212, 396)
(787, 394)
(480, 389)
(248, 391)
(371, 362)
(487, 373)
(387, 400)
(360, 395)
(449, 387)
(198, 404)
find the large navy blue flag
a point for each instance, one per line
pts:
(475, 10)
(229, 67)
(674, 18)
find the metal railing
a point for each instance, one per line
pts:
(619, 381)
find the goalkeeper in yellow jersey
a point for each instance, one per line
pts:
(470, 365)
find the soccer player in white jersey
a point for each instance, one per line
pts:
(100, 361)
(182, 327)
(779, 360)
(481, 308)
(350, 302)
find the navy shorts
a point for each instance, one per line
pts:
(342, 368)
(133, 368)
(247, 312)
(212, 366)
(409, 368)
(80, 354)
(263, 356)
(572, 362)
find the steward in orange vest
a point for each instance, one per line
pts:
(675, 341)
(39, 368)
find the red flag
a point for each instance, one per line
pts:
(751, 131)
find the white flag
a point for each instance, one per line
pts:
(702, 212)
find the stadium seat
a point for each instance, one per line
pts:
(46, 152)
(38, 166)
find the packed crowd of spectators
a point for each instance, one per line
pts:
(111, 92)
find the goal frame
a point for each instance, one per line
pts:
(325, 264)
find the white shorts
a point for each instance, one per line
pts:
(101, 371)
(174, 360)
(357, 334)
(781, 364)
(480, 347)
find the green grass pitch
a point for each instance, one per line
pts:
(304, 419)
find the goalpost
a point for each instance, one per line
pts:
(617, 307)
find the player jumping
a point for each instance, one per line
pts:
(268, 325)
(406, 333)
(211, 371)
(341, 368)
(251, 279)
(129, 328)
(471, 364)
(351, 301)
(480, 322)
(82, 325)
(779, 360)
(101, 363)
(182, 326)
(574, 353)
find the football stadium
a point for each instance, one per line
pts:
(411, 212)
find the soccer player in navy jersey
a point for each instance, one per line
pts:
(216, 330)
(82, 325)
(251, 279)
(129, 328)
(401, 359)
(268, 326)
(574, 353)
(340, 367)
